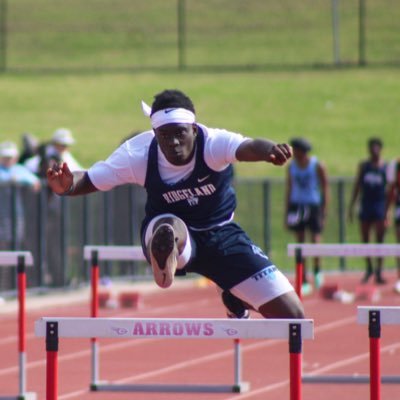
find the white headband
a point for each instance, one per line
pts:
(168, 116)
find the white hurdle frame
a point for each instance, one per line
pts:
(346, 250)
(293, 330)
(135, 253)
(300, 250)
(20, 260)
(94, 254)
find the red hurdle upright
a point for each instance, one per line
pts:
(52, 361)
(95, 275)
(375, 317)
(374, 331)
(295, 350)
(20, 259)
(299, 271)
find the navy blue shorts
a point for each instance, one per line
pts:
(226, 255)
(301, 217)
(370, 212)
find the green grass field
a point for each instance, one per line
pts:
(337, 110)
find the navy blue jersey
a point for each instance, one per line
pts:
(205, 199)
(373, 183)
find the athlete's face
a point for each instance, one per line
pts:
(375, 151)
(177, 142)
(300, 155)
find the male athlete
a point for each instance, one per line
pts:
(370, 182)
(186, 170)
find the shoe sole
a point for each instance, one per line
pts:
(164, 255)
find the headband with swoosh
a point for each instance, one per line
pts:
(168, 116)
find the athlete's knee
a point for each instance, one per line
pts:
(177, 224)
(296, 312)
(170, 220)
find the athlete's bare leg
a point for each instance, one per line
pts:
(301, 238)
(380, 235)
(365, 235)
(316, 238)
(287, 305)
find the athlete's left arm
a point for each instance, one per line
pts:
(263, 150)
(323, 179)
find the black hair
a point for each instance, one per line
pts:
(301, 144)
(171, 99)
(375, 141)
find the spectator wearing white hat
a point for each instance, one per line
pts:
(12, 173)
(51, 153)
(56, 151)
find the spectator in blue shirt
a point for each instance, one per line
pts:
(12, 173)
(306, 201)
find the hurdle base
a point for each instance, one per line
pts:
(28, 396)
(171, 388)
(25, 396)
(347, 379)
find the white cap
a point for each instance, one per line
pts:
(63, 136)
(8, 149)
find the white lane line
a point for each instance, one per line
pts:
(352, 360)
(177, 366)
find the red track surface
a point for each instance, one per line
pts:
(340, 347)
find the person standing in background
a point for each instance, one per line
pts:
(12, 173)
(54, 152)
(370, 186)
(49, 154)
(30, 146)
(393, 197)
(306, 201)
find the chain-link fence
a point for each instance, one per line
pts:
(55, 229)
(90, 35)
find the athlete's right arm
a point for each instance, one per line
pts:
(66, 183)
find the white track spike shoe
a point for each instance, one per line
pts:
(164, 255)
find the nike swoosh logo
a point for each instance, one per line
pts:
(168, 110)
(203, 179)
